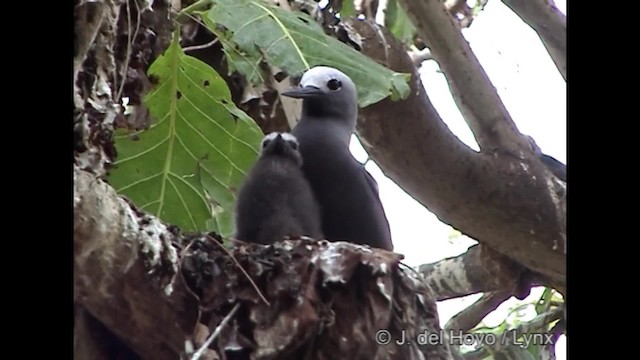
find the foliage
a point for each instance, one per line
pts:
(196, 151)
(397, 21)
(513, 346)
(294, 42)
(187, 167)
(348, 9)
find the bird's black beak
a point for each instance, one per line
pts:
(305, 92)
(278, 144)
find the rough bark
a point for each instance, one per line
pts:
(93, 341)
(93, 77)
(549, 23)
(130, 276)
(472, 272)
(126, 268)
(515, 206)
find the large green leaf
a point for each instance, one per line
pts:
(397, 21)
(246, 62)
(348, 8)
(294, 42)
(196, 152)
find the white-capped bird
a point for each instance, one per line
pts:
(348, 195)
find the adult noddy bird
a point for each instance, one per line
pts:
(276, 199)
(347, 193)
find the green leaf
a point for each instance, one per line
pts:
(222, 221)
(294, 42)
(195, 153)
(397, 21)
(247, 61)
(348, 9)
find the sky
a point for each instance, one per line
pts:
(533, 92)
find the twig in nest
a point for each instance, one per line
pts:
(241, 269)
(212, 337)
(203, 46)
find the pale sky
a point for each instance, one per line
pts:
(535, 95)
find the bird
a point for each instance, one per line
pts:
(275, 199)
(348, 194)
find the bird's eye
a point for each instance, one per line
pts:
(265, 143)
(334, 84)
(294, 145)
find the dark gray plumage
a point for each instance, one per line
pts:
(275, 199)
(347, 193)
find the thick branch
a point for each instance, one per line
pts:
(115, 249)
(549, 23)
(476, 97)
(468, 318)
(471, 273)
(130, 277)
(515, 207)
(420, 56)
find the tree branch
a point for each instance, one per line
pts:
(420, 56)
(468, 318)
(471, 273)
(515, 207)
(115, 250)
(129, 275)
(476, 97)
(550, 25)
(540, 322)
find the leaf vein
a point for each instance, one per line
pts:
(208, 117)
(198, 161)
(190, 186)
(286, 32)
(142, 153)
(138, 182)
(184, 204)
(222, 154)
